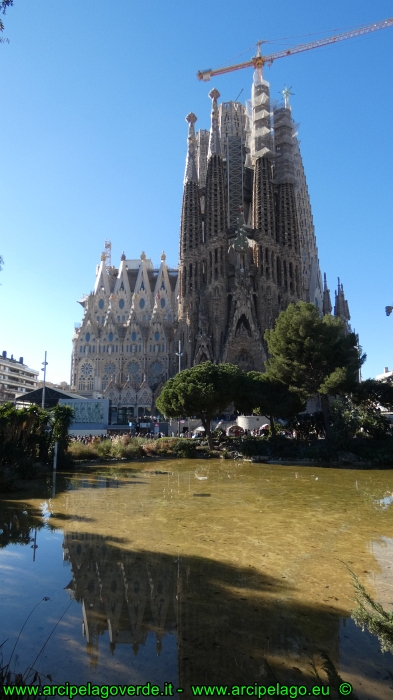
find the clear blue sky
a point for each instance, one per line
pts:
(93, 141)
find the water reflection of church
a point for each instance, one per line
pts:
(121, 592)
(227, 619)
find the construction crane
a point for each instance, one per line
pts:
(258, 61)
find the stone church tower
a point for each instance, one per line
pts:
(247, 250)
(247, 243)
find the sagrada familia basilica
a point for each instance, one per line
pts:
(247, 250)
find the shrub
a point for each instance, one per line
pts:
(77, 450)
(252, 446)
(185, 447)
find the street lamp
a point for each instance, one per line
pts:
(179, 354)
(44, 364)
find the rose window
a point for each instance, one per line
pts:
(134, 370)
(110, 368)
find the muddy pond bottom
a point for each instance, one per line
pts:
(189, 572)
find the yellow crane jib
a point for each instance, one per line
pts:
(258, 61)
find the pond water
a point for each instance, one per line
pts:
(187, 571)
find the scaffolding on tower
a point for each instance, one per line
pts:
(108, 254)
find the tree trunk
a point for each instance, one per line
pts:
(326, 413)
(272, 426)
(206, 425)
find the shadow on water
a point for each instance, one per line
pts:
(228, 619)
(234, 624)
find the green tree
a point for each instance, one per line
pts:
(361, 410)
(270, 397)
(3, 8)
(313, 355)
(28, 434)
(375, 394)
(203, 391)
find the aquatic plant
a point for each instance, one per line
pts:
(370, 614)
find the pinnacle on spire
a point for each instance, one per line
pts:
(341, 308)
(214, 142)
(326, 302)
(190, 174)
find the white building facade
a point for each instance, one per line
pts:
(124, 347)
(15, 377)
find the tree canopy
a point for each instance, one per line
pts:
(313, 355)
(3, 8)
(270, 397)
(203, 391)
(375, 394)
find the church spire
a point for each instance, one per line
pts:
(327, 304)
(341, 308)
(215, 202)
(214, 142)
(190, 174)
(191, 220)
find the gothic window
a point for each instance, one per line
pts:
(134, 370)
(110, 369)
(121, 302)
(163, 285)
(278, 266)
(190, 282)
(285, 275)
(156, 374)
(86, 369)
(243, 327)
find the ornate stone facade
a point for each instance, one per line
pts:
(247, 250)
(247, 242)
(123, 348)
